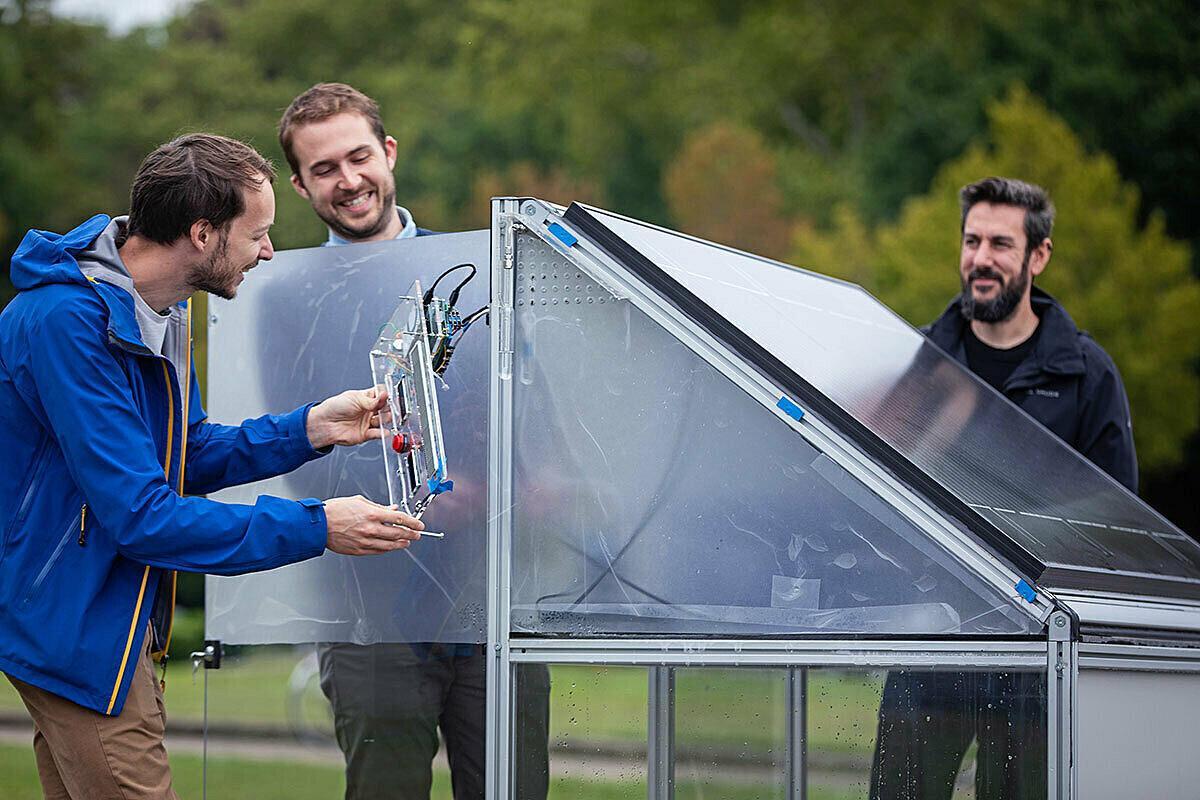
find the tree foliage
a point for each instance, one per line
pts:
(1127, 283)
(854, 108)
(723, 186)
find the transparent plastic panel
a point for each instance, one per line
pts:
(301, 330)
(738, 733)
(959, 431)
(652, 495)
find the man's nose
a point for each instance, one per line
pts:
(349, 177)
(983, 254)
(267, 251)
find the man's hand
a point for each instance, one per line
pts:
(358, 527)
(349, 418)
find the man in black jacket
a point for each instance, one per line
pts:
(1019, 340)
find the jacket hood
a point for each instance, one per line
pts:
(44, 257)
(86, 256)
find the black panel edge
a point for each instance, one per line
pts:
(775, 370)
(1058, 577)
(1147, 637)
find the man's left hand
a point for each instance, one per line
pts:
(349, 418)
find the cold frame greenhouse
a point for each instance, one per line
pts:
(721, 527)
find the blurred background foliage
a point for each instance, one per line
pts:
(830, 135)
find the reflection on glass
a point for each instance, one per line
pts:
(918, 400)
(652, 495)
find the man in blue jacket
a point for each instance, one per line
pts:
(1021, 342)
(108, 448)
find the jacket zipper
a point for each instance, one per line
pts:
(58, 550)
(35, 480)
(83, 526)
(137, 609)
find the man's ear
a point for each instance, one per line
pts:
(389, 149)
(298, 185)
(1040, 257)
(202, 235)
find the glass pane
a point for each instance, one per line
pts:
(595, 744)
(302, 331)
(731, 731)
(652, 495)
(860, 734)
(921, 402)
(939, 729)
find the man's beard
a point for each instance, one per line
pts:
(1000, 307)
(381, 222)
(215, 275)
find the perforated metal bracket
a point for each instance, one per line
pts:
(546, 222)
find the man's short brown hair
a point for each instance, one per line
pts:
(322, 102)
(197, 176)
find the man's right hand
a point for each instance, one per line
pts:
(358, 527)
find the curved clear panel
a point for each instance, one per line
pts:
(955, 428)
(300, 330)
(652, 495)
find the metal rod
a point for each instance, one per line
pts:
(660, 734)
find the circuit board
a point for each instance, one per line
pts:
(413, 448)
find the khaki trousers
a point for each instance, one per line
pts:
(84, 755)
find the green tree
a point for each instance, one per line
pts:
(1124, 74)
(1127, 283)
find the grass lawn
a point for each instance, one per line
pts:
(718, 708)
(234, 779)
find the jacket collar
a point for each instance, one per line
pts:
(1057, 350)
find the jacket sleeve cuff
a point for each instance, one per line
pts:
(316, 532)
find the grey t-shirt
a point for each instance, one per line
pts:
(152, 324)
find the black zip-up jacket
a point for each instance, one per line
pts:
(1067, 383)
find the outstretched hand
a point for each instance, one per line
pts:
(358, 527)
(349, 418)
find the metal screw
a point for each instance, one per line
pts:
(212, 319)
(1060, 622)
(530, 209)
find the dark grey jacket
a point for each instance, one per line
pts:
(1068, 383)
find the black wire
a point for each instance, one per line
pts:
(428, 298)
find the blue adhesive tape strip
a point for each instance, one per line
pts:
(437, 482)
(1026, 591)
(562, 234)
(790, 408)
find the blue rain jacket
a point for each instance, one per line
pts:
(101, 447)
